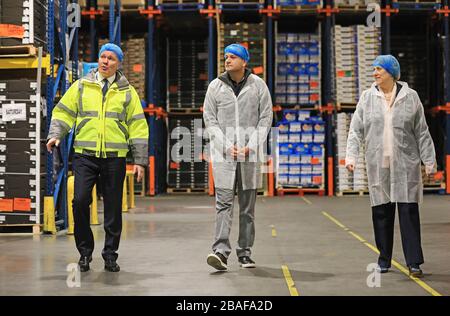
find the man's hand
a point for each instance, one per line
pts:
(233, 151)
(430, 170)
(52, 142)
(350, 168)
(244, 152)
(139, 170)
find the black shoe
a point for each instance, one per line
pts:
(83, 263)
(382, 269)
(415, 271)
(246, 262)
(111, 265)
(217, 261)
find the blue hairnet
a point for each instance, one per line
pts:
(112, 48)
(388, 63)
(238, 50)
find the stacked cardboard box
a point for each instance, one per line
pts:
(187, 167)
(187, 79)
(134, 62)
(300, 150)
(356, 47)
(298, 69)
(22, 151)
(26, 20)
(340, 3)
(346, 180)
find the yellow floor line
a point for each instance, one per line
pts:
(274, 232)
(290, 283)
(400, 267)
(306, 200)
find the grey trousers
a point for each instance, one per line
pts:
(224, 217)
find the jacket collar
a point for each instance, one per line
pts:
(402, 88)
(121, 80)
(226, 78)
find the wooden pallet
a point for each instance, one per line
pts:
(300, 191)
(262, 193)
(25, 229)
(239, 1)
(298, 8)
(18, 51)
(185, 111)
(187, 190)
(179, 1)
(349, 106)
(440, 188)
(352, 193)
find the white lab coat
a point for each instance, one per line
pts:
(411, 144)
(227, 119)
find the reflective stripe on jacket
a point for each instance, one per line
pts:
(105, 127)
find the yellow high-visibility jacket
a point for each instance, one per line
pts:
(105, 127)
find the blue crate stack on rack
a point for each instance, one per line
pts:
(300, 150)
(298, 70)
(293, 3)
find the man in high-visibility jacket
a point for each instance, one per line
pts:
(109, 121)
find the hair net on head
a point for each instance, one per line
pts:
(388, 63)
(238, 50)
(112, 48)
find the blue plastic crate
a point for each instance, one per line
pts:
(307, 126)
(307, 137)
(283, 69)
(295, 127)
(302, 149)
(283, 126)
(289, 115)
(319, 138)
(286, 149)
(305, 179)
(295, 169)
(313, 69)
(303, 115)
(283, 168)
(313, 49)
(294, 138)
(319, 127)
(283, 158)
(316, 149)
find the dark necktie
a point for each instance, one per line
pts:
(105, 87)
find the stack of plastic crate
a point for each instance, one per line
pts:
(296, 3)
(134, 62)
(344, 181)
(360, 182)
(187, 79)
(298, 70)
(300, 150)
(187, 167)
(25, 22)
(345, 40)
(22, 153)
(356, 47)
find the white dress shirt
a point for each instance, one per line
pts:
(100, 78)
(388, 132)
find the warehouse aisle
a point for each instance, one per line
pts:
(312, 242)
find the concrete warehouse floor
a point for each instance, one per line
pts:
(166, 239)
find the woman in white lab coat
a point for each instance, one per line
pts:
(390, 120)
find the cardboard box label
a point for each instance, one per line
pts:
(21, 204)
(6, 205)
